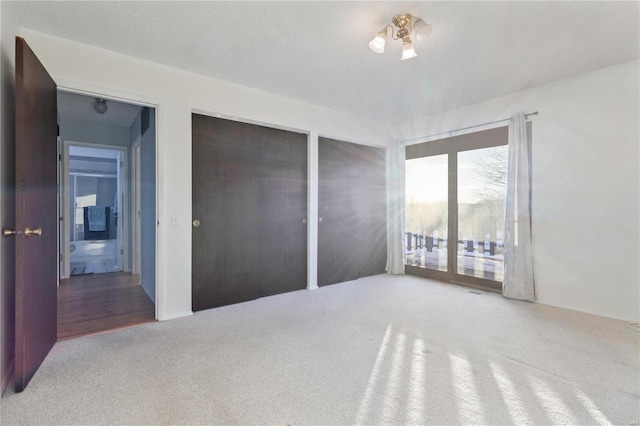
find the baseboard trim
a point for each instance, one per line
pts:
(175, 316)
(153, 299)
(586, 311)
(7, 377)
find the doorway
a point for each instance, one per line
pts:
(107, 215)
(40, 117)
(93, 203)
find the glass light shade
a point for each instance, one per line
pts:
(421, 29)
(100, 105)
(408, 51)
(377, 44)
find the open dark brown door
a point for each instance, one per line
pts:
(36, 214)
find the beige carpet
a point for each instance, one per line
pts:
(383, 349)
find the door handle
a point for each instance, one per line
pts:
(28, 231)
(196, 223)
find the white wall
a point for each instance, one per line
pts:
(586, 185)
(178, 94)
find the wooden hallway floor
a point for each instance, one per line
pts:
(91, 304)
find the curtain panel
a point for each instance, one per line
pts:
(395, 209)
(518, 282)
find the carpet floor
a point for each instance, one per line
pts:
(382, 349)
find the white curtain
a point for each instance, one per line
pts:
(395, 209)
(518, 259)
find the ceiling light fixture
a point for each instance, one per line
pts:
(403, 26)
(100, 105)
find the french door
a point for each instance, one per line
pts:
(455, 201)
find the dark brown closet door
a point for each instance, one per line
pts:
(250, 201)
(352, 233)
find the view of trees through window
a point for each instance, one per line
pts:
(481, 190)
(426, 219)
(482, 183)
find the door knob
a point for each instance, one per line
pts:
(304, 220)
(28, 231)
(196, 223)
(320, 220)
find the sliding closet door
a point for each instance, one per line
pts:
(352, 233)
(249, 235)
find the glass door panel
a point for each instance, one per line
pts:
(426, 217)
(482, 183)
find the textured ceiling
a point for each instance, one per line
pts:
(79, 107)
(317, 51)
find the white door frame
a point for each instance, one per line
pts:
(123, 191)
(116, 95)
(136, 242)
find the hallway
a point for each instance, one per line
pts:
(94, 257)
(91, 304)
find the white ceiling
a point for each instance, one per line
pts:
(317, 51)
(79, 107)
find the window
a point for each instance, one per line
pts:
(455, 200)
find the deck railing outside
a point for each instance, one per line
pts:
(483, 259)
